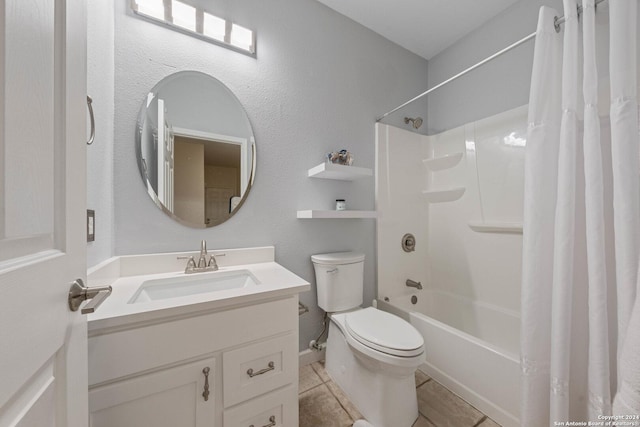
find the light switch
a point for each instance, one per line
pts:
(91, 225)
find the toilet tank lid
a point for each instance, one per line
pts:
(338, 258)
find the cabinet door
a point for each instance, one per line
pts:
(168, 398)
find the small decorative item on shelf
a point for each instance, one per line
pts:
(341, 205)
(342, 157)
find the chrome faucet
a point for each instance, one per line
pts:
(413, 284)
(203, 264)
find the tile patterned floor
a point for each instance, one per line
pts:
(323, 404)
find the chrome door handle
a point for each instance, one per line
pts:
(79, 293)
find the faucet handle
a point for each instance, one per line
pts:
(203, 247)
(191, 264)
(213, 263)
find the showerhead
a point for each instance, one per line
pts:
(416, 123)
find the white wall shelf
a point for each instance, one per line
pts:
(440, 196)
(347, 214)
(496, 227)
(443, 162)
(340, 172)
(328, 170)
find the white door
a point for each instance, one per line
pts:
(43, 345)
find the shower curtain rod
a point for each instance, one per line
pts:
(557, 22)
(460, 74)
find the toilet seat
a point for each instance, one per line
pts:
(384, 332)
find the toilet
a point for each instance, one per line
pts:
(372, 355)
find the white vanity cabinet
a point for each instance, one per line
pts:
(152, 372)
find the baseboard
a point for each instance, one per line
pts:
(307, 357)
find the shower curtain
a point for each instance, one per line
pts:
(582, 216)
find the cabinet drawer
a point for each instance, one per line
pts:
(276, 409)
(255, 369)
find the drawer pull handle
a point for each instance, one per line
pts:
(272, 422)
(205, 393)
(252, 374)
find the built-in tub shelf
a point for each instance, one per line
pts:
(347, 214)
(440, 196)
(443, 162)
(496, 227)
(340, 172)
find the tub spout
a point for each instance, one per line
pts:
(413, 284)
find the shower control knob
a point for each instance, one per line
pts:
(409, 242)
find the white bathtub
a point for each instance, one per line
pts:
(471, 348)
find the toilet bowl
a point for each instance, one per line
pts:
(372, 355)
(376, 373)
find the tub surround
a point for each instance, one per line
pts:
(460, 193)
(464, 198)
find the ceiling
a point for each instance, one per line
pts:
(425, 27)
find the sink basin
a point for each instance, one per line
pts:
(184, 285)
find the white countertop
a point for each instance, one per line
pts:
(126, 274)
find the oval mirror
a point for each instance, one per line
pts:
(195, 149)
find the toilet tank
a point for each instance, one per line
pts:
(339, 280)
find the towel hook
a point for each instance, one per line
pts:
(93, 122)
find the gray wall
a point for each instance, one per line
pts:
(317, 85)
(100, 86)
(495, 87)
